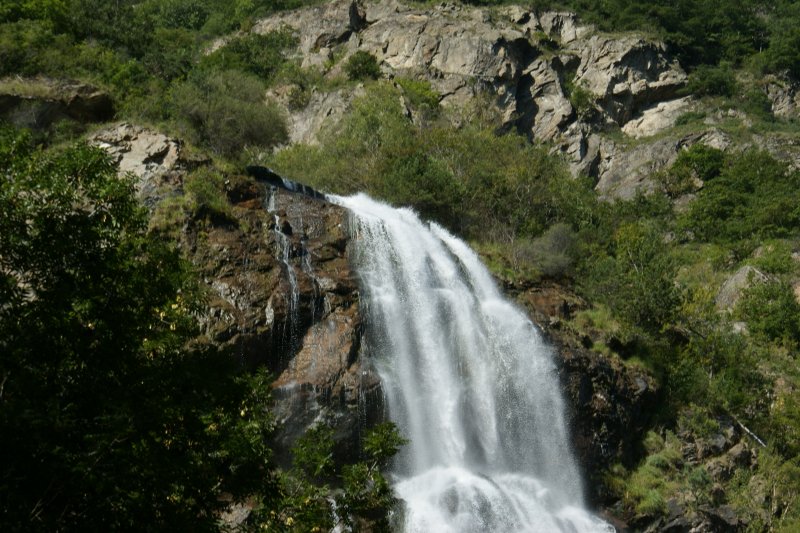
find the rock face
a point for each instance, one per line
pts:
(37, 103)
(734, 287)
(159, 162)
(282, 294)
(530, 62)
(609, 403)
(784, 97)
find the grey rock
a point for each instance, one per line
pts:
(657, 118)
(731, 291)
(626, 74)
(465, 50)
(159, 162)
(784, 96)
(624, 172)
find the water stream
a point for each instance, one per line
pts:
(468, 379)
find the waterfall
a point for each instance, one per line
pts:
(468, 379)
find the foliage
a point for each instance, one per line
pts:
(712, 81)
(108, 421)
(361, 66)
(420, 92)
(696, 165)
(308, 504)
(206, 193)
(225, 112)
(754, 195)
(482, 185)
(554, 252)
(581, 99)
(689, 117)
(637, 279)
(771, 310)
(261, 55)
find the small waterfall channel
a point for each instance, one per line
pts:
(468, 380)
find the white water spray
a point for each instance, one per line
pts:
(468, 380)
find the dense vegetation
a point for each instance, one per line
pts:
(111, 420)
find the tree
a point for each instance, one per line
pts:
(109, 422)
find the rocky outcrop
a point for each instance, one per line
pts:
(657, 118)
(734, 287)
(38, 103)
(784, 97)
(159, 162)
(530, 62)
(281, 293)
(284, 296)
(323, 109)
(609, 402)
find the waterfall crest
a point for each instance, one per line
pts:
(467, 379)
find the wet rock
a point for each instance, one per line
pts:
(285, 297)
(609, 403)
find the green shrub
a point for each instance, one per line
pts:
(362, 65)
(699, 162)
(169, 217)
(554, 252)
(712, 81)
(771, 311)
(754, 195)
(689, 117)
(756, 102)
(582, 101)
(636, 282)
(206, 191)
(262, 55)
(419, 92)
(226, 112)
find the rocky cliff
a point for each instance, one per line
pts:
(609, 104)
(281, 293)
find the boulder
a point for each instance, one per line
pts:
(159, 162)
(657, 118)
(732, 290)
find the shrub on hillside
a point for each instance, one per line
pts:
(771, 311)
(226, 112)
(362, 65)
(712, 81)
(699, 162)
(554, 251)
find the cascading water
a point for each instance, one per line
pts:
(468, 380)
(282, 251)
